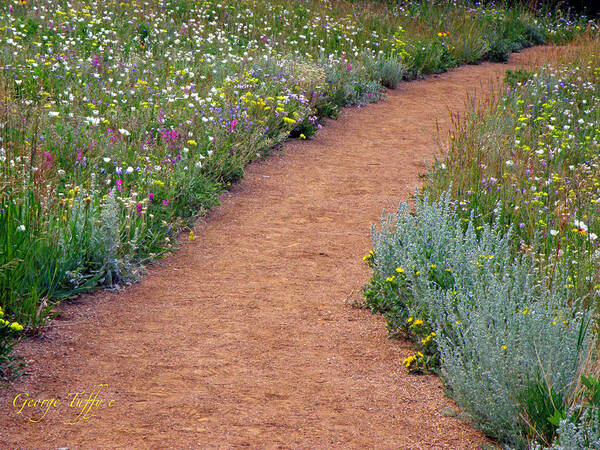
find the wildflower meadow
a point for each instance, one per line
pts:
(121, 122)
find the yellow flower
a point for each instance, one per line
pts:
(302, 136)
(370, 255)
(390, 279)
(504, 347)
(16, 326)
(418, 322)
(289, 121)
(410, 319)
(408, 361)
(192, 142)
(419, 354)
(191, 237)
(400, 270)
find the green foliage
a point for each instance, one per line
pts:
(513, 78)
(544, 408)
(10, 367)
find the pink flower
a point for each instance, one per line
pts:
(233, 124)
(349, 67)
(150, 196)
(119, 183)
(165, 202)
(138, 209)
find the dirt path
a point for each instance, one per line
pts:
(243, 338)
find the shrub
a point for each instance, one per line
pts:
(498, 329)
(583, 433)
(391, 71)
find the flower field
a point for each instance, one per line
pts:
(495, 276)
(120, 122)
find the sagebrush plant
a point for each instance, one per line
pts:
(583, 433)
(498, 327)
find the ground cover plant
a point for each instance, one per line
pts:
(120, 122)
(495, 274)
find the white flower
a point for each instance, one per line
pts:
(553, 232)
(198, 165)
(61, 173)
(21, 228)
(124, 132)
(129, 169)
(106, 160)
(579, 224)
(53, 113)
(593, 236)
(509, 163)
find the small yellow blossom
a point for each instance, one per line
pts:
(16, 326)
(369, 256)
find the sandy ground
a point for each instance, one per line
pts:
(244, 337)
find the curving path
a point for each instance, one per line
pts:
(244, 337)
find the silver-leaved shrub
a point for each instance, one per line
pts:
(499, 328)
